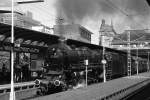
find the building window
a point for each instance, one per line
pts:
(2, 19)
(85, 35)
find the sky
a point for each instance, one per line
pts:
(89, 13)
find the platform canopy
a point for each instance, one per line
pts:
(31, 38)
(24, 36)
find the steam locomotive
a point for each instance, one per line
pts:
(65, 68)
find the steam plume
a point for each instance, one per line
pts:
(79, 10)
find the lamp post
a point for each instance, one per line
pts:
(86, 71)
(104, 67)
(103, 61)
(12, 94)
(148, 62)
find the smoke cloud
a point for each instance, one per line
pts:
(5, 3)
(78, 10)
(89, 13)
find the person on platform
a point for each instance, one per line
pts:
(17, 71)
(4, 72)
(25, 72)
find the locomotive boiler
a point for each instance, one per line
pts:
(70, 60)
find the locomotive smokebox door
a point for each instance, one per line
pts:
(86, 62)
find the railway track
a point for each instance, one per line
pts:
(142, 94)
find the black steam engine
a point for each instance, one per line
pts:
(65, 69)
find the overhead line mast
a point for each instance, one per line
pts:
(129, 54)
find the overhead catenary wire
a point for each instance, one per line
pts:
(116, 7)
(39, 7)
(129, 16)
(123, 12)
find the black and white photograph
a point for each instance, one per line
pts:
(74, 49)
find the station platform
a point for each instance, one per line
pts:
(16, 85)
(22, 90)
(114, 89)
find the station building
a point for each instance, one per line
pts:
(73, 31)
(21, 20)
(24, 20)
(107, 33)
